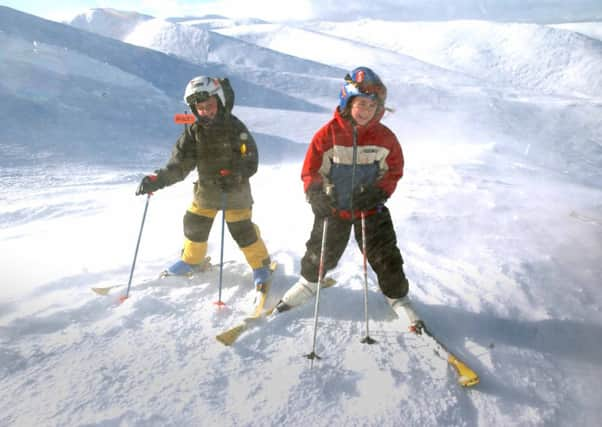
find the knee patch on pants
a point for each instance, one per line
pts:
(197, 227)
(243, 232)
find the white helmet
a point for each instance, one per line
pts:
(201, 88)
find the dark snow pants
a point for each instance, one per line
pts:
(381, 250)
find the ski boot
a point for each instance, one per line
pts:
(404, 309)
(182, 268)
(297, 294)
(262, 278)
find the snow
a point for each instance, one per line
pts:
(498, 217)
(499, 53)
(109, 22)
(590, 29)
(181, 40)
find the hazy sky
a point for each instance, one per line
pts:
(279, 10)
(266, 9)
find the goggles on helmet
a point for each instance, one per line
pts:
(197, 97)
(362, 81)
(370, 88)
(201, 88)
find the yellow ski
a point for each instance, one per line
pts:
(466, 376)
(228, 337)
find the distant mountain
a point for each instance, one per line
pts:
(73, 95)
(166, 72)
(186, 42)
(525, 56)
(108, 22)
(191, 39)
(589, 29)
(214, 21)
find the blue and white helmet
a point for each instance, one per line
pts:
(362, 81)
(201, 88)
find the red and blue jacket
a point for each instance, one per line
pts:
(348, 156)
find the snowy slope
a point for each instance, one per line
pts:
(109, 22)
(55, 103)
(590, 29)
(190, 39)
(486, 274)
(66, 84)
(569, 64)
(502, 252)
(215, 21)
(344, 53)
(167, 37)
(199, 45)
(165, 72)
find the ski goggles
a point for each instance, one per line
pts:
(372, 89)
(198, 97)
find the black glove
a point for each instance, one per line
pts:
(321, 203)
(366, 198)
(229, 182)
(149, 184)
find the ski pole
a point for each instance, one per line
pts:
(127, 292)
(219, 301)
(367, 339)
(313, 354)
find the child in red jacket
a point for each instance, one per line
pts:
(351, 168)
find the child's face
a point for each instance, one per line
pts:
(362, 109)
(207, 109)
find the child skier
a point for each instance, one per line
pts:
(361, 160)
(225, 156)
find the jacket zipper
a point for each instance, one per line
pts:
(353, 168)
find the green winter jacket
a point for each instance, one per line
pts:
(224, 145)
